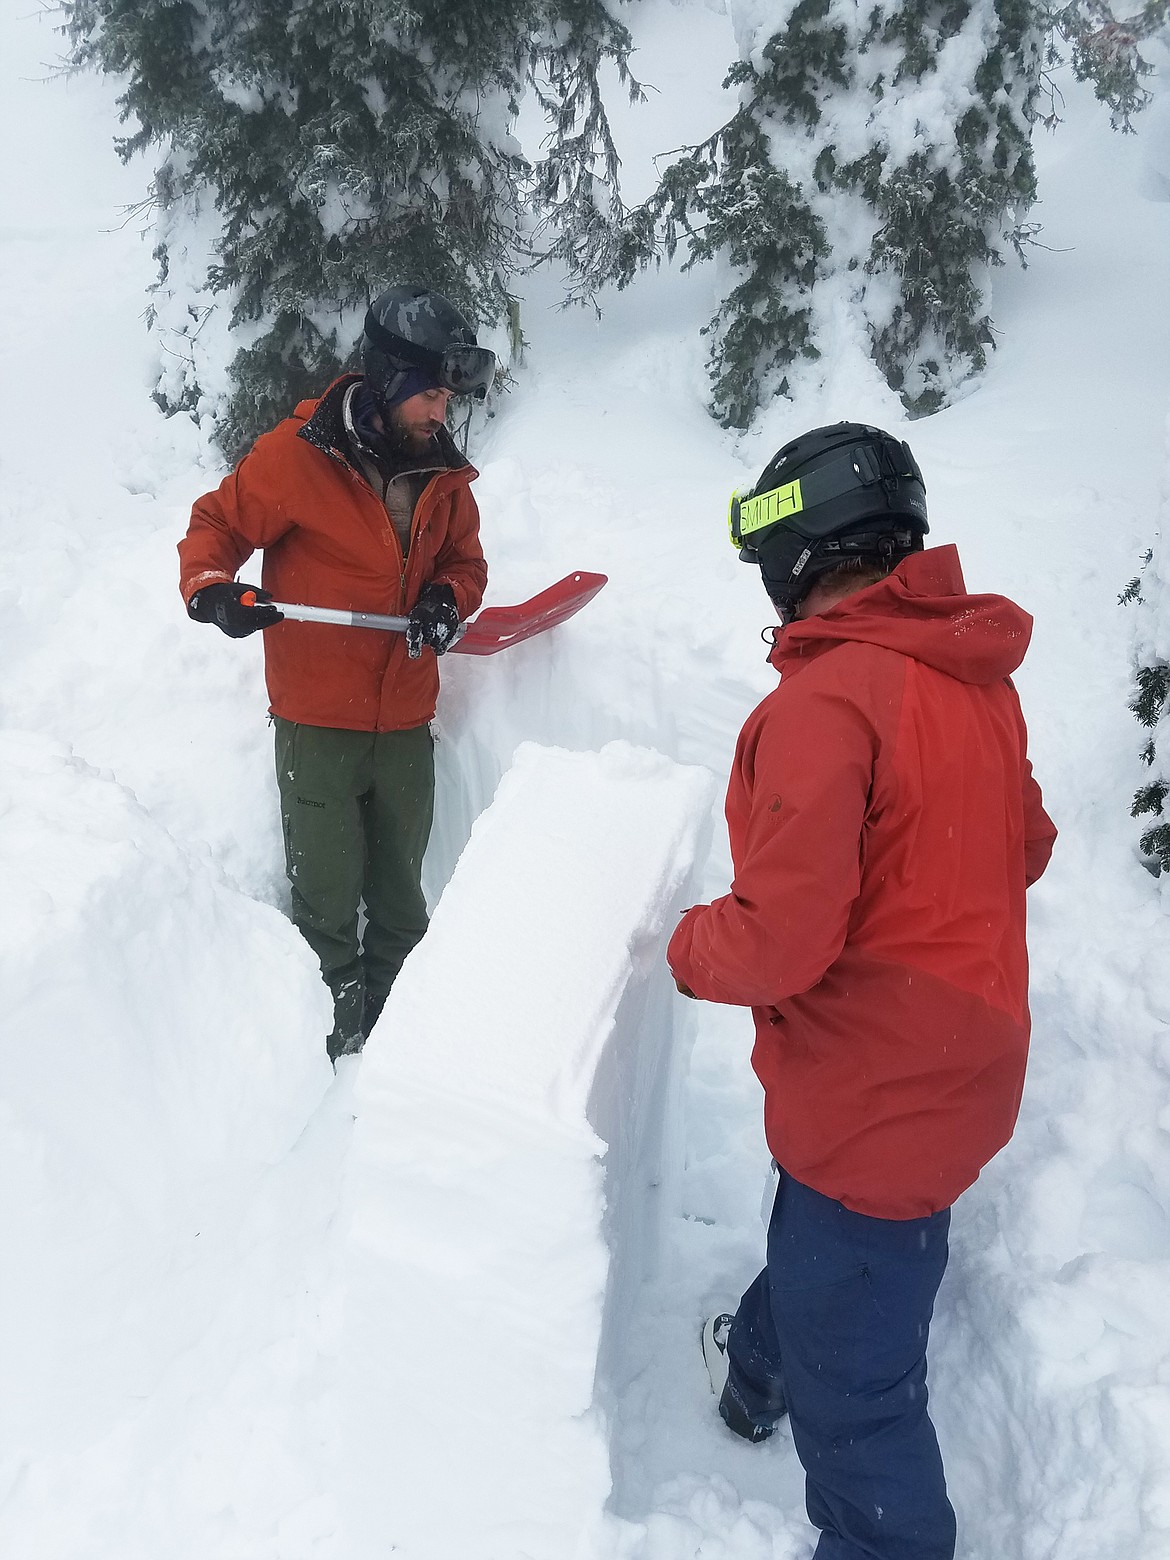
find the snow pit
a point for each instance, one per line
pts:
(505, 1187)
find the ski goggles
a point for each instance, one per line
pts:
(467, 371)
(748, 515)
(459, 368)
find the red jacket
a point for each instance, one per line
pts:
(328, 542)
(884, 823)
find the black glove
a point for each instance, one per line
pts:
(222, 605)
(432, 621)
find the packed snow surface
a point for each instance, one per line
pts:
(487, 1241)
(221, 1262)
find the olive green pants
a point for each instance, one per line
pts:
(356, 808)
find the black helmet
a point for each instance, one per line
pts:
(847, 491)
(414, 328)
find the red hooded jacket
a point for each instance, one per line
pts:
(884, 824)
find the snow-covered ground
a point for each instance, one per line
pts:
(187, 1202)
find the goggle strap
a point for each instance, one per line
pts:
(749, 515)
(841, 476)
(833, 480)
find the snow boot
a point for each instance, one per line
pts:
(731, 1410)
(343, 1045)
(348, 987)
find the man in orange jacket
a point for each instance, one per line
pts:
(884, 824)
(360, 501)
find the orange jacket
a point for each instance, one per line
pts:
(884, 823)
(328, 542)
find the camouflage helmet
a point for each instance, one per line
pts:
(413, 328)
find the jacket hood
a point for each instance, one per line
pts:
(921, 610)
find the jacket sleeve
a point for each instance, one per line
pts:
(1039, 829)
(460, 562)
(228, 526)
(805, 775)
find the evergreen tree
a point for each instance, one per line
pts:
(879, 152)
(314, 154)
(1108, 50)
(576, 198)
(1150, 591)
(752, 211)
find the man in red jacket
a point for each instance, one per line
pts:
(360, 501)
(884, 826)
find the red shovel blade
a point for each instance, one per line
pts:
(498, 627)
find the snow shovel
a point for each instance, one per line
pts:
(494, 629)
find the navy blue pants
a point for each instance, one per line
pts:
(834, 1330)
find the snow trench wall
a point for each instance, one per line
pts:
(160, 1050)
(513, 1123)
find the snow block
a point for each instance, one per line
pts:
(513, 1123)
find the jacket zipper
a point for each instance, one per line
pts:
(357, 476)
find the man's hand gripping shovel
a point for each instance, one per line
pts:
(496, 628)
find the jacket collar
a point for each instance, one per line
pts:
(324, 429)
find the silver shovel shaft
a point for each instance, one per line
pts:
(342, 619)
(396, 625)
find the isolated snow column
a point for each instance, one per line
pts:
(513, 1111)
